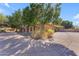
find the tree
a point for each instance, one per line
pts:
(3, 19)
(15, 20)
(28, 17)
(45, 13)
(56, 11)
(67, 24)
(36, 14)
(57, 21)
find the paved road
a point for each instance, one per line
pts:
(64, 44)
(69, 40)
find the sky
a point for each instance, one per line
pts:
(69, 11)
(9, 8)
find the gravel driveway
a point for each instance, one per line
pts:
(64, 44)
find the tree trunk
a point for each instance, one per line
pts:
(40, 33)
(42, 30)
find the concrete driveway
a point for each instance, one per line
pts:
(64, 44)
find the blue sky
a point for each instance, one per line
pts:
(8, 9)
(69, 11)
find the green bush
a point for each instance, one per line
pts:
(2, 31)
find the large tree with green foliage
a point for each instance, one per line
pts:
(45, 13)
(67, 24)
(15, 20)
(34, 14)
(57, 21)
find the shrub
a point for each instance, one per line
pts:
(2, 31)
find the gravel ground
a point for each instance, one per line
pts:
(14, 44)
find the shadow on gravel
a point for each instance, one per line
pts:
(37, 48)
(24, 33)
(51, 50)
(7, 33)
(7, 46)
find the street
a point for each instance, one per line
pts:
(68, 39)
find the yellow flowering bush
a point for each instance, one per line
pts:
(47, 33)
